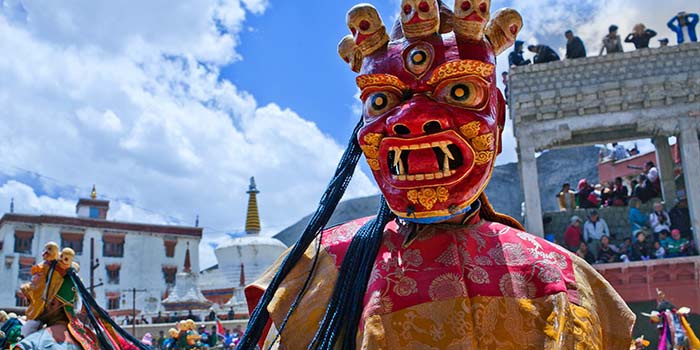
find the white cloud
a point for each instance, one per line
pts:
(127, 96)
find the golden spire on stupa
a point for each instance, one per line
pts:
(252, 221)
(93, 194)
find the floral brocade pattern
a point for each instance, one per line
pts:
(487, 259)
(549, 323)
(459, 288)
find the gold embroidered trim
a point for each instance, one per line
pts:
(460, 68)
(370, 80)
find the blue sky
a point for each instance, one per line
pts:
(169, 108)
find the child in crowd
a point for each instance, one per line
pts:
(659, 251)
(641, 248)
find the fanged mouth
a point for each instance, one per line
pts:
(425, 161)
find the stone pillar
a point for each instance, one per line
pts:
(664, 162)
(530, 184)
(690, 152)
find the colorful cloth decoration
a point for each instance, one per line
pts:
(55, 282)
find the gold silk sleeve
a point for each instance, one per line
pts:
(302, 324)
(611, 318)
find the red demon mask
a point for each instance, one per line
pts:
(433, 116)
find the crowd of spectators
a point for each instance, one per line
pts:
(656, 235)
(682, 24)
(209, 339)
(588, 196)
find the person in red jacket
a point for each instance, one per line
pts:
(572, 237)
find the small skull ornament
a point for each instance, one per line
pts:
(66, 259)
(471, 17)
(503, 29)
(367, 28)
(420, 18)
(50, 252)
(350, 53)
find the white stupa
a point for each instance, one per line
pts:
(243, 259)
(186, 295)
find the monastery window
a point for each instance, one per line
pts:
(169, 273)
(73, 241)
(113, 273)
(113, 299)
(23, 242)
(94, 213)
(113, 246)
(25, 268)
(170, 247)
(21, 300)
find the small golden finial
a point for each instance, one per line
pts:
(93, 194)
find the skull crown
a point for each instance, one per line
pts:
(471, 20)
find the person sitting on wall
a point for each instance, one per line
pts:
(607, 253)
(586, 198)
(638, 221)
(584, 253)
(676, 245)
(659, 220)
(684, 22)
(641, 249)
(611, 42)
(652, 174)
(594, 230)
(626, 250)
(515, 58)
(680, 216)
(543, 54)
(619, 151)
(574, 46)
(640, 36)
(645, 190)
(659, 251)
(566, 198)
(619, 195)
(572, 237)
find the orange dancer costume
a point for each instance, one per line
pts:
(438, 268)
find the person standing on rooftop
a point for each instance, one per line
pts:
(640, 36)
(612, 42)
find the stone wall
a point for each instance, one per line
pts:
(625, 91)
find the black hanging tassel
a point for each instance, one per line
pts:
(95, 311)
(329, 201)
(347, 302)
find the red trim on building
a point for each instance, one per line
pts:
(128, 312)
(26, 260)
(92, 203)
(24, 234)
(170, 247)
(99, 223)
(72, 236)
(637, 281)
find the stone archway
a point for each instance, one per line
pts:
(650, 93)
